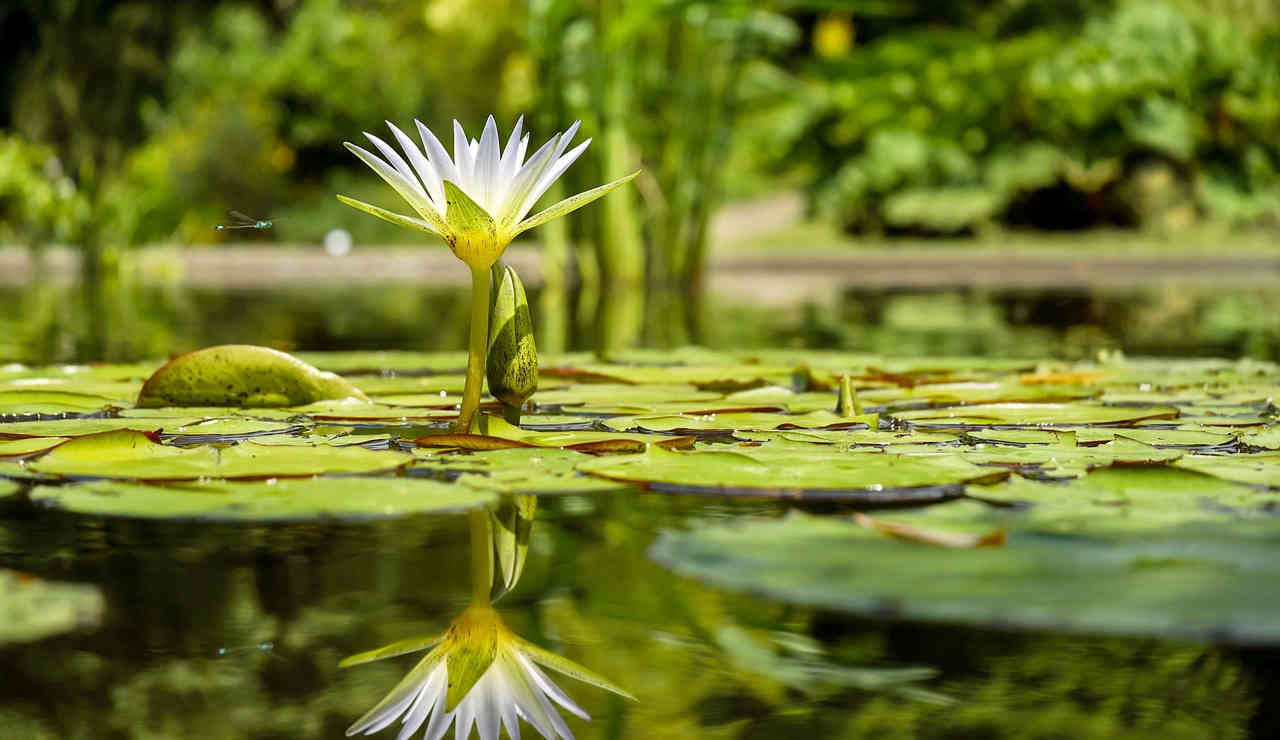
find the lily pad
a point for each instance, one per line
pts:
(24, 447)
(1262, 469)
(8, 487)
(28, 402)
(522, 470)
(734, 421)
(868, 477)
(32, 608)
(241, 375)
(1033, 415)
(85, 427)
(1188, 581)
(497, 434)
(345, 498)
(137, 455)
(705, 377)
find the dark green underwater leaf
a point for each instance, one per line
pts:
(32, 609)
(1198, 581)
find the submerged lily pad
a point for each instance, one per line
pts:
(241, 375)
(346, 498)
(1188, 581)
(32, 609)
(137, 455)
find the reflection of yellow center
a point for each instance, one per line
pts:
(477, 626)
(833, 35)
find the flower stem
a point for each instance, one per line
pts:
(476, 350)
(481, 556)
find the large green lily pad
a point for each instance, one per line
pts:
(346, 498)
(521, 470)
(32, 608)
(868, 477)
(1198, 581)
(137, 455)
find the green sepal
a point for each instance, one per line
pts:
(400, 647)
(411, 192)
(464, 214)
(390, 216)
(563, 665)
(466, 664)
(570, 204)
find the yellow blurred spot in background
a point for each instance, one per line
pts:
(833, 35)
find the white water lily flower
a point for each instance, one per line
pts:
(479, 675)
(477, 201)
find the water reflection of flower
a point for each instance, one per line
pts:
(479, 673)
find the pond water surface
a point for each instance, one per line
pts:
(225, 630)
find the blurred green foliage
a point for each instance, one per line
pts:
(898, 115)
(1071, 114)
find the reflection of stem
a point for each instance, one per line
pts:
(511, 414)
(476, 350)
(481, 557)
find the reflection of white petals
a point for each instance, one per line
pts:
(511, 689)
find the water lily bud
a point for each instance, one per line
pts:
(847, 405)
(512, 366)
(511, 524)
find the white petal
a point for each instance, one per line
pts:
(548, 177)
(426, 173)
(440, 719)
(509, 162)
(388, 715)
(525, 179)
(487, 165)
(462, 157)
(397, 161)
(440, 158)
(417, 714)
(549, 686)
(408, 190)
(488, 709)
(567, 137)
(529, 702)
